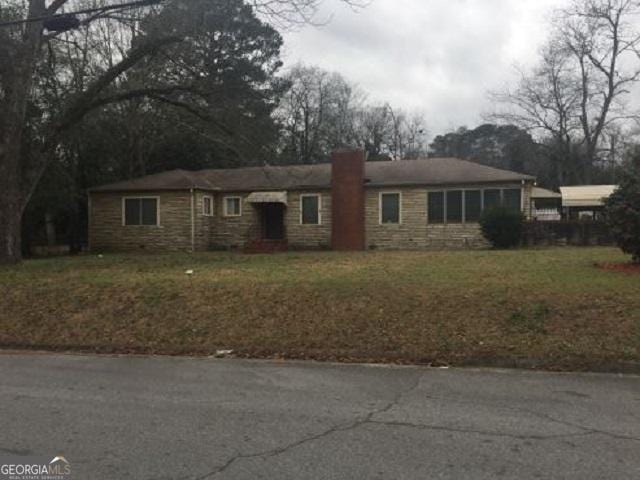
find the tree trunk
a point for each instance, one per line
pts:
(10, 223)
(12, 121)
(50, 229)
(75, 229)
(10, 195)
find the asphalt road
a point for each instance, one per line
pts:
(177, 418)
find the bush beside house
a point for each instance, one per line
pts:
(502, 227)
(623, 213)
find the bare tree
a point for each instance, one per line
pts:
(603, 38)
(292, 13)
(373, 130)
(416, 133)
(581, 86)
(546, 102)
(37, 23)
(317, 114)
(387, 132)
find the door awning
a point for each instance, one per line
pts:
(268, 197)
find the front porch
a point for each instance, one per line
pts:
(271, 234)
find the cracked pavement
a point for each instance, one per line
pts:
(199, 419)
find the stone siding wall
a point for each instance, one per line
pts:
(204, 224)
(107, 231)
(233, 232)
(410, 234)
(414, 232)
(308, 236)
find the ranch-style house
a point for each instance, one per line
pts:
(348, 204)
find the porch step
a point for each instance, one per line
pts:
(266, 246)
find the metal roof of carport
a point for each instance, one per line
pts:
(586, 195)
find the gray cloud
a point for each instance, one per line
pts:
(439, 57)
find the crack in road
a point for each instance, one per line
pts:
(368, 418)
(543, 416)
(589, 430)
(488, 433)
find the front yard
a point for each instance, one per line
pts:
(547, 307)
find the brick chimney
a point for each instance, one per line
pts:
(347, 200)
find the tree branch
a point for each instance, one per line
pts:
(55, 6)
(84, 102)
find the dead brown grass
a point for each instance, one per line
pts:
(550, 308)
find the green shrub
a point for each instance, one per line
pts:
(622, 210)
(502, 227)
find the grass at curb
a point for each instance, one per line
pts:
(547, 308)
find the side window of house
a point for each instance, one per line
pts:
(310, 209)
(472, 205)
(232, 206)
(457, 206)
(454, 206)
(512, 199)
(389, 208)
(207, 206)
(140, 211)
(436, 207)
(491, 198)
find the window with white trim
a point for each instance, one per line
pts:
(140, 211)
(207, 205)
(310, 209)
(232, 206)
(390, 208)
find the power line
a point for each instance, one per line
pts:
(106, 8)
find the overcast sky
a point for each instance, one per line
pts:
(436, 56)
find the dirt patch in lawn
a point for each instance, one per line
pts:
(621, 267)
(529, 308)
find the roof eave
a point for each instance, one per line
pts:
(148, 189)
(447, 184)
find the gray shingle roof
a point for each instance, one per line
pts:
(427, 172)
(171, 180)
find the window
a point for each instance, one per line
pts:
(454, 206)
(310, 209)
(491, 198)
(389, 208)
(207, 206)
(232, 206)
(457, 206)
(512, 199)
(141, 211)
(472, 205)
(436, 207)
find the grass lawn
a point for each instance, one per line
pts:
(550, 305)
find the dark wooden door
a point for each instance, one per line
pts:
(273, 221)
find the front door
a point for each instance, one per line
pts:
(273, 221)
